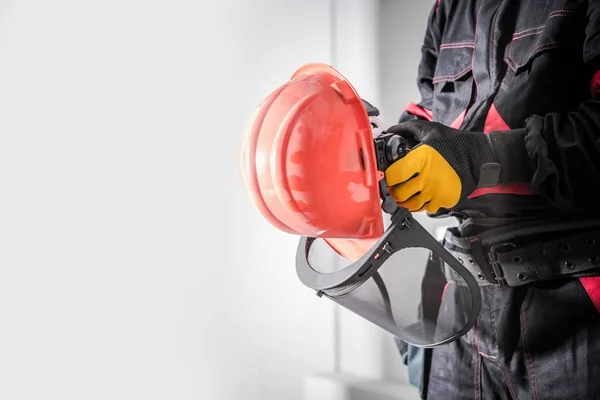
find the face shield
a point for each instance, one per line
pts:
(398, 284)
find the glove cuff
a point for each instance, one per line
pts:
(512, 157)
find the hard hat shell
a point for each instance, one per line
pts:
(308, 163)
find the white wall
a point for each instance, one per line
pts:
(378, 48)
(284, 331)
(366, 351)
(402, 28)
(131, 264)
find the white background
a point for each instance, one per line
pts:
(132, 265)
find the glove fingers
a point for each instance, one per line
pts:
(409, 130)
(430, 207)
(399, 173)
(404, 191)
(415, 203)
(405, 168)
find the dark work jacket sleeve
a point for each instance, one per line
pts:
(565, 147)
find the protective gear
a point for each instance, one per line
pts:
(312, 167)
(448, 164)
(424, 180)
(527, 252)
(392, 290)
(536, 342)
(307, 162)
(530, 68)
(535, 68)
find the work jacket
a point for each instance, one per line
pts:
(490, 65)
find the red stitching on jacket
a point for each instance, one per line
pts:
(553, 14)
(564, 10)
(505, 374)
(508, 59)
(457, 45)
(478, 361)
(487, 356)
(521, 35)
(527, 34)
(527, 30)
(528, 359)
(438, 79)
(508, 382)
(475, 358)
(473, 57)
(461, 46)
(494, 47)
(536, 50)
(559, 15)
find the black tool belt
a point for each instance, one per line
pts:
(513, 257)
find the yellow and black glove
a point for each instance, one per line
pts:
(448, 164)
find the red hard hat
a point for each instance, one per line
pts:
(308, 164)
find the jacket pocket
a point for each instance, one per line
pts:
(452, 83)
(560, 31)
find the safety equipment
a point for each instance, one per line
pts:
(305, 172)
(424, 180)
(447, 164)
(312, 167)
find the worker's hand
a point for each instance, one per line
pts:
(448, 164)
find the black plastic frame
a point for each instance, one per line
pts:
(404, 232)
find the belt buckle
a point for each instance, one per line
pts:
(496, 268)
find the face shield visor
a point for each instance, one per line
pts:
(399, 284)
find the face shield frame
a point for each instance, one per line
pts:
(403, 233)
